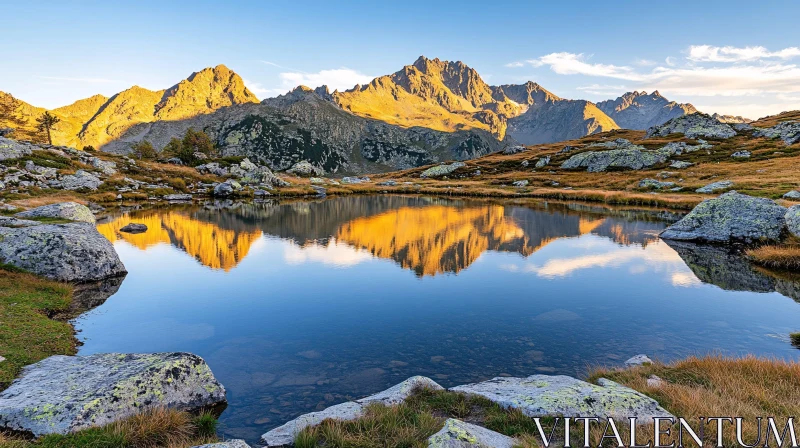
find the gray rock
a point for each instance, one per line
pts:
(693, 126)
(134, 228)
(678, 148)
(655, 184)
(2, 359)
(638, 360)
(227, 188)
(520, 183)
(284, 435)
(742, 127)
(212, 168)
(354, 180)
(716, 186)
(321, 191)
(741, 155)
(64, 394)
(250, 173)
(47, 173)
(792, 218)
(788, 131)
(633, 157)
(387, 183)
(235, 443)
(12, 149)
(81, 179)
(543, 395)
(441, 170)
(513, 149)
(654, 381)
(106, 167)
(317, 180)
(175, 161)
(793, 194)
(458, 434)
(178, 197)
(679, 164)
(567, 149)
(730, 217)
(305, 168)
(63, 210)
(542, 162)
(8, 221)
(74, 252)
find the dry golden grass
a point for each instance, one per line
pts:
(61, 196)
(772, 120)
(776, 257)
(696, 387)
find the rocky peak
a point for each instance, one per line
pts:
(640, 110)
(203, 92)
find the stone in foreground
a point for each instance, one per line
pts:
(74, 252)
(458, 434)
(64, 210)
(64, 394)
(730, 217)
(284, 435)
(235, 443)
(542, 395)
(134, 228)
(441, 170)
(693, 126)
(792, 218)
(638, 360)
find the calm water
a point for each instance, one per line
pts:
(298, 306)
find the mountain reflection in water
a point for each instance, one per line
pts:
(297, 306)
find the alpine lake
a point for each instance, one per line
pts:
(299, 305)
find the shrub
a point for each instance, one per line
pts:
(193, 142)
(177, 183)
(89, 148)
(144, 150)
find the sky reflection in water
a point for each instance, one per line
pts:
(299, 306)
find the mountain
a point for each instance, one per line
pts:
(640, 110)
(731, 119)
(98, 120)
(450, 96)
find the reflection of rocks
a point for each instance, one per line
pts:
(723, 267)
(87, 296)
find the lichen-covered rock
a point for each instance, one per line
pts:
(10, 221)
(212, 168)
(250, 173)
(178, 197)
(633, 157)
(543, 395)
(74, 252)
(716, 186)
(542, 162)
(788, 131)
(81, 179)
(12, 149)
(227, 188)
(64, 394)
(441, 170)
(284, 435)
(730, 217)
(792, 218)
(513, 149)
(305, 168)
(638, 360)
(793, 194)
(679, 164)
(693, 126)
(235, 443)
(520, 183)
(106, 167)
(354, 180)
(64, 210)
(678, 148)
(655, 184)
(458, 434)
(741, 155)
(134, 228)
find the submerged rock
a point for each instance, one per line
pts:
(64, 210)
(693, 126)
(134, 228)
(284, 435)
(543, 395)
(730, 217)
(64, 394)
(441, 170)
(715, 186)
(458, 434)
(74, 252)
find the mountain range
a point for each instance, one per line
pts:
(429, 111)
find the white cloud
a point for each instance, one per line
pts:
(336, 79)
(575, 64)
(336, 254)
(669, 60)
(603, 89)
(85, 80)
(515, 64)
(708, 53)
(256, 87)
(645, 62)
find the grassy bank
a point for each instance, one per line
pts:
(710, 386)
(785, 256)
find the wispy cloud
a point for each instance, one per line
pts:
(604, 89)
(84, 80)
(273, 64)
(645, 62)
(336, 79)
(708, 53)
(515, 64)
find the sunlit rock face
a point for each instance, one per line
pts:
(208, 243)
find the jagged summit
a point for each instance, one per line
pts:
(640, 110)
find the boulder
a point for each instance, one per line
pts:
(64, 394)
(63, 210)
(546, 395)
(716, 186)
(81, 179)
(638, 360)
(235, 443)
(227, 188)
(12, 149)
(134, 228)
(542, 162)
(520, 183)
(730, 217)
(458, 434)
(284, 435)
(106, 167)
(679, 164)
(631, 158)
(354, 180)
(304, 168)
(178, 197)
(74, 252)
(441, 170)
(788, 131)
(693, 126)
(741, 155)
(655, 184)
(212, 168)
(513, 149)
(387, 183)
(793, 194)
(792, 218)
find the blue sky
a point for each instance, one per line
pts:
(728, 57)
